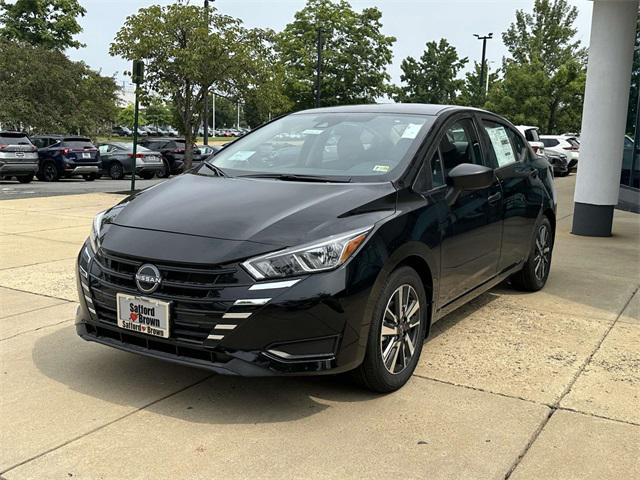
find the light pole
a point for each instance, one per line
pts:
(319, 66)
(206, 93)
(484, 39)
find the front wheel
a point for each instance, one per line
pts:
(49, 172)
(396, 334)
(25, 178)
(116, 171)
(535, 271)
(147, 175)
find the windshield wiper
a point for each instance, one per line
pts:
(289, 177)
(217, 170)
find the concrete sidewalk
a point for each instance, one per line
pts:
(520, 386)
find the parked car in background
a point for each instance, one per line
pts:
(18, 157)
(341, 260)
(207, 150)
(121, 132)
(630, 174)
(172, 151)
(570, 146)
(559, 163)
(118, 160)
(533, 137)
(66, 156)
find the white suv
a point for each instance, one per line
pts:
(568, 145)
(531, 134)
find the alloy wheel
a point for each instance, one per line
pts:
(50, 172)
(542, 257)
(400, 329)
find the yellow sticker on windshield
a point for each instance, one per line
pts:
(381, 168)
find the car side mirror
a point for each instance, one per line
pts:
(468, 176)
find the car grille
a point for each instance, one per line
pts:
(199, 294)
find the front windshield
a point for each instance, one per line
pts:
(326, 145)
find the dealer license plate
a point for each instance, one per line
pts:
(143, 315)
(86, 155)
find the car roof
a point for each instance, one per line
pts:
(407, 108)
(12, 133)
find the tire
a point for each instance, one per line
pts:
(376, 373)
(165, 171)
(116, 171)
(535, 272)
(90, 178)
(49, 172)
(147, 175)
(25, 178)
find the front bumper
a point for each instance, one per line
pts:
(18, 168)
(316, 325)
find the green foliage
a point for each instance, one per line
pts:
(157, 112)
(472, 93)
(126, 116)
(44, 91)
(433, 77)
(544, 79)
(355, 55)
(47, 23)
(186, 52)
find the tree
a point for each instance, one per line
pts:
(355, 54)
(472, 92)
(544, 77)
(186, 54)
(432, 78)
(126, 116)
(42, 90)
(47, 23)
(157, 112)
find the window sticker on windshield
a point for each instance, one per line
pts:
(312, 131)
(242, 155)
(412, 130)
(381, 168)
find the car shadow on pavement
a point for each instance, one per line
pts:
(130, 380)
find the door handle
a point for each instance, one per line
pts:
(495, 198)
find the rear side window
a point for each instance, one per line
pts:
(77, 143)
(14, 139)
(500, 143)
(519, 147)
(550, 142)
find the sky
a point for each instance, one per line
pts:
(412, 22)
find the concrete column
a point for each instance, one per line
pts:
(613, 28)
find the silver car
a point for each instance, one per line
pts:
(18, 157)
(117, 160)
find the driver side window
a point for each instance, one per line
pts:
(459, 145)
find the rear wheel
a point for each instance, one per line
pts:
(396, 334)
(49, 172)
(116, 171)
(535, 271)
(25, 178)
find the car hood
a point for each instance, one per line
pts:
(265, 211)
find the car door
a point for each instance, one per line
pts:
(522, 199)
(472, 231)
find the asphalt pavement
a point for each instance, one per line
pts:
(11, 189)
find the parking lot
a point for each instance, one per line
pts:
(514, 385)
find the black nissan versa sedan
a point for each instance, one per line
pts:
(326, 241)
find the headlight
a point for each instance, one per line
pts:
(95, 231)
(318, 256)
